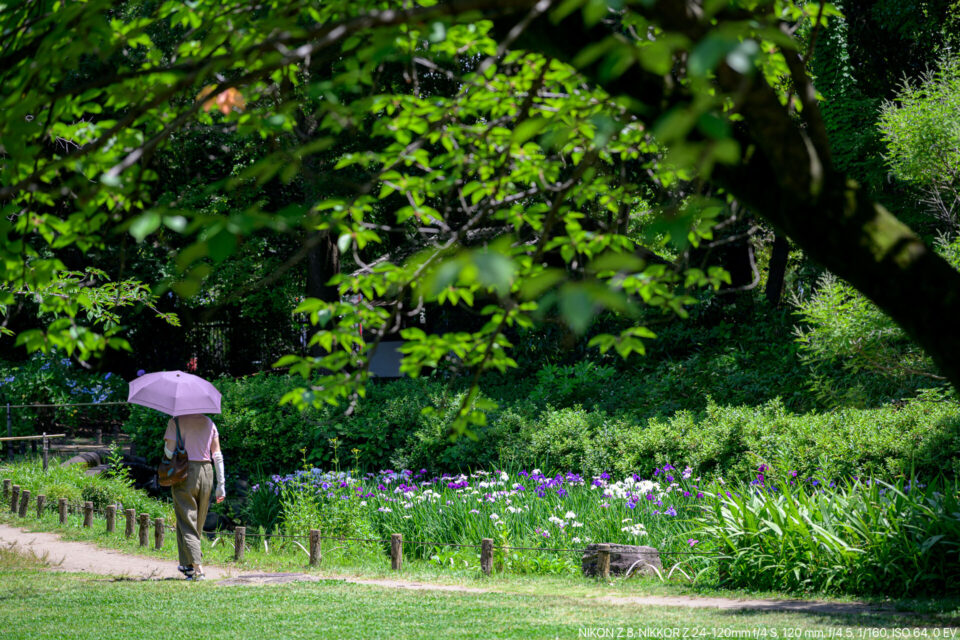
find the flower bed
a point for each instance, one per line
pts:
(778, 531)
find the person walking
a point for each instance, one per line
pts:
(191, 498)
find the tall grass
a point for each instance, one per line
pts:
(73, 484)
(862, 537)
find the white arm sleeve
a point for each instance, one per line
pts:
(221, 478)
(166, 451)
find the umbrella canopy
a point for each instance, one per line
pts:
(175, 393)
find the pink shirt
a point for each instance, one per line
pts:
(198, 432)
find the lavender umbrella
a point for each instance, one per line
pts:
(175, 393)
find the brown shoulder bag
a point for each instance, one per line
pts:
(172, 471)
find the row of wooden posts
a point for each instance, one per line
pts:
(19, 503)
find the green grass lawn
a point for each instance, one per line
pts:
(42, 604)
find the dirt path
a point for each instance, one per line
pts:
(84, 557)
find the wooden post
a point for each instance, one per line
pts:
(62, 509)
(6, 489)
(87, 514)
(111, 518)
(14, 498)
(603, 561)
(314, 547)
(239, 541)
(46, 451)
(41, 501)
(144, 528)
(130, 515)
(9, 435)
(396, 551)
(24, 501)
(158, 533)
(486, 555)
(99, 435)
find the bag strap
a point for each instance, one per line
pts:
(181, 445)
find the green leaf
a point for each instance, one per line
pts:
(144, 225)
(437, 32)
(221, 245)
(709, 52)
(527, 129)
(576, 307)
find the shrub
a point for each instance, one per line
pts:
(923, 139)
(389, 429)
(921, 436)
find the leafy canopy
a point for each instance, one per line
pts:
(519, 186)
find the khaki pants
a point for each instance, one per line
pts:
(191, 499)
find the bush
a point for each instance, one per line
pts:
(921, 436)
(923, 139)
(389, 429)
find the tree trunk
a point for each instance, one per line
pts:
(777, 272)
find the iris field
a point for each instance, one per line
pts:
(776, 530)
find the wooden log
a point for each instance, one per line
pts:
(396, 551)
(111, 518)
(41, 501)
(14, 498)
(603, 561)
(131, 516)
(87, 514)
(486, 555)
(158, 533)
(7, 483)
(62, 510)
(240, 541)
(144, 528)
(24, 501)
(314, 547)
(624, 559)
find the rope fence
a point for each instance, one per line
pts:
(19, 500)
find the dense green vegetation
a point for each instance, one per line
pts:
(718, 409)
